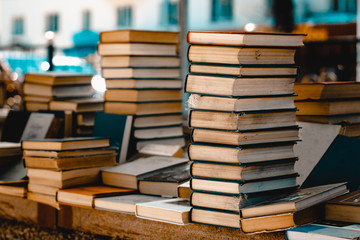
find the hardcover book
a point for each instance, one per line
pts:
(136, 49)
(139, 61)
(128, 174)
(345, 208)
(58, 78)
(139, 36)
(143, 83)
(143, 108)
(140, 72)
(129, 95)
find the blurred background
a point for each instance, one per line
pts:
(62, 35)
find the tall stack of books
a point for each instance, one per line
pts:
(242, 116)
(62, 91)
(142, 73)
(330, 103)
(54, 164)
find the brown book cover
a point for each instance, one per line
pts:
(140, 36)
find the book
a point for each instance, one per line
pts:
(221, 186)
(140, 73)
(282, 221)
(78, 105)
(67, 163)
(158, 120)
(162, 150)
(125, 203)
(119, 129)
(128, 174)
(296, 200)
(180, 141)
(44, 199)
(222, 202)
(146, 108)
(84, 196)
(39, 99)
(129, 95)
(240, 55)
(165, 183)
(243, 70)
(159, 132)
(10, 149)
(329, 119)
(335, 107)
(246, 38)
(136, 49)
(33, 106)
(238, 87)
(85, 119)
(241, 121)
(65, 143)
(326, 90)
(143, 83)
(139, 61)
(183, 190)
(174, 211)
(321, 231)
(244, 138)
(239, 155)
(139, 36)
(241, 173)
(43, 189)
(58, 91)
(344, 208)
(38, 126)
(70, 153)
(58, 78)
(14, 189)
(197, 101)
(215, 218)
(63, 179)
(320, 165)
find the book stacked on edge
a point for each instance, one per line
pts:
(330, 103)
(54, 164)
(142, 73)
(63, 91)
(242, 116)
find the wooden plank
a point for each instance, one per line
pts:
(128, 226)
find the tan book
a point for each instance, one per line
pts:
(137, 49)
(58, 78)
(183, 190)
(44, 199)
(58, 91)
(145, 108)
(14, 189)
(246, 38)
(327, 90)
(35, 98)
(128, 174)
(71, 153)
(143, 83)
(127, 95)
(78, 105)
(296, 200)
(197, 101)
(244, 138)
(238, 87)
(240, 55)
(67, 163)
(158, 133)
(345, 208)
(139, 36)
(65, 143)
(241, 173)
(42, 189)
(241, 121)
(139, 61)
(216, 218)
(10, 149)
(336, 107)
(244, 70)
(158, 120)
(33, 106)
(330, 119)
(84, 196)
(124, 203)
(140, 73)
(170, 210)
(63, 179)
(229, 154)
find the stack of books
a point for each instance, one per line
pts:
(330, 103)
(142, 73)
(242, 116)
(54, 164)
(63, 91)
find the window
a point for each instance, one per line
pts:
(18, 26)
(86, 20)
(124, 17)
(221, 10)
(52, 23)
(173, 13)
